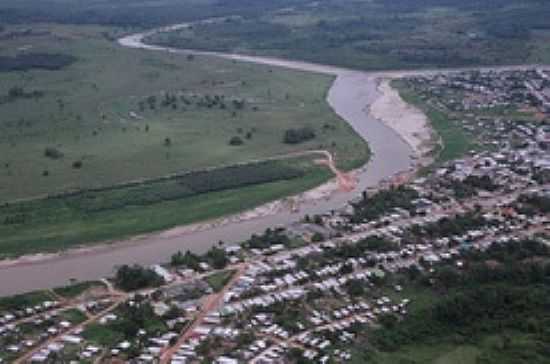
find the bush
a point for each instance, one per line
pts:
(217, 258)
(267, 239)
(53, 153)
(24, 62)
(188, 260)
(372, 207)
(317, 237)
(183, 186)
(77, 164)
(295, 136)
(236, 141)
(131, 278)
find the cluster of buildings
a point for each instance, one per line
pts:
(474, 90)
(49, 326)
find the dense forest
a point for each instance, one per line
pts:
(384, 34)
(27, 61)
(133, 13)
(503, 291)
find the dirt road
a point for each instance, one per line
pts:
(210, 304)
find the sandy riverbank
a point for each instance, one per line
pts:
(409, 122)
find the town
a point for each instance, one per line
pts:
(305, 292)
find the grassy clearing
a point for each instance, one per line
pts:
(77, 289)
(218, 280)
(74, 316)
(102, 335)
(24, 300)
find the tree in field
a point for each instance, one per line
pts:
(53, 153)
(295, 136)
(217, 257)
(236, 141)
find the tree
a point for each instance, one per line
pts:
(318, 220)
(355, 287)
(447, 276)
(217, 257)
(317, 237)
(295, 136)
(238, 104)
(131, 278)
(188, 260)
(245, 339)
(15, 92)
(53, 153)
(236, 141)
(346, 269)
(377, 244)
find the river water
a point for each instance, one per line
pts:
(349, 96)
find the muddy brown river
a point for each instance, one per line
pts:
(349, 96)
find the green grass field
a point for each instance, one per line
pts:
(76, 289)
(218, 280)
(30, 299)
(85, 114)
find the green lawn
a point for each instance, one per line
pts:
(24, 300)
(102, 335)
(74, 316)
(219, 279)
(75, 290)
